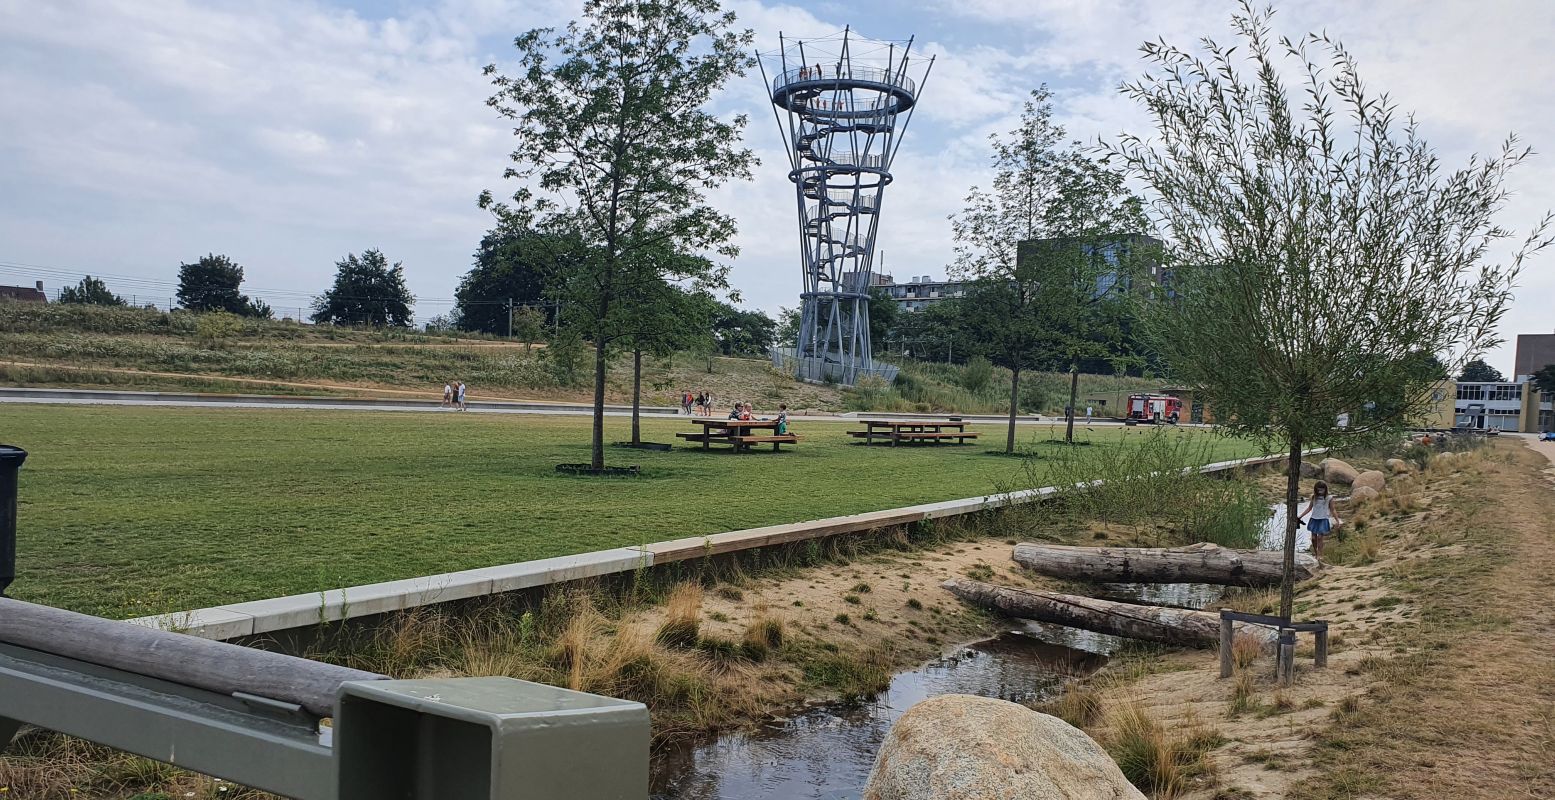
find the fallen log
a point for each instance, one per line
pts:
(1200, 563)
(1174, 626)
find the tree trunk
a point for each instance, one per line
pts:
(1175, 626)
(1200, 563)
(1009, 442)
(1292, 497)
(637, 395)
(598, 443)
(1074, 395)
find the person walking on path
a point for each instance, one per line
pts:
(448, 395)
(1323, 517)
(460, 398)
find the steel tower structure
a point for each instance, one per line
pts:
(848, 100)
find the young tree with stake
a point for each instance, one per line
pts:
(1043, 247)
(614, 146)
(1319, 249)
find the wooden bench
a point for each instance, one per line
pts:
(693, 437)
(929, 435)
(744, 442)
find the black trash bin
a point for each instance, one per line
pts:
(11, 459)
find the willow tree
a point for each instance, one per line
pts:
(1318, 245)
(616, 146)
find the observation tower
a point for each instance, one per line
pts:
(842, 103)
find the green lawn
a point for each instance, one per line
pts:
(127, 510)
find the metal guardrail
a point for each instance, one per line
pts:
(258, 718)
(822, 72)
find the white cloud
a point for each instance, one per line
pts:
(289, 132)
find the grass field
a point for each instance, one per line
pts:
(127, 511)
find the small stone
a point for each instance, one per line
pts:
(1397, 466)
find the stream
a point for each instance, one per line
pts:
(826, 751)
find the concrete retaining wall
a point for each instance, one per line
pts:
(237, 620)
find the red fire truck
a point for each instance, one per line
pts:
(1153, 408)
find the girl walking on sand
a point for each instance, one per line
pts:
(1320, 506)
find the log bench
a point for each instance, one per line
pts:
(913, 436)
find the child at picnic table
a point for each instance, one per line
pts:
(745, 412)
(782, 419)
(734, 413)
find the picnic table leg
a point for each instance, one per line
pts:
(706, 437)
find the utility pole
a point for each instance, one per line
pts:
(510, 317)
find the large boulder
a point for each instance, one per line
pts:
(1370, 479)
(1361, 494)
(1336, 471)
(1397, 466)
(1310, 470)
(961, 747)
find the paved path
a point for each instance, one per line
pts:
(196, 400)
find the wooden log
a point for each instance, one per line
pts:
(1175, 626)
(1200, 563)
(189, 660)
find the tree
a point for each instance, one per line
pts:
(367, 291)
(883, 314)
(211, 284)
(614, 146)
(742, 333)
(1544, 379)
(1477, 371)
(90, 291)
(528, 325)
(1046, 250)
(1317, 246)
(788, 322)
(663, 318)
(510, 271)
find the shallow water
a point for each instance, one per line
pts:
(827, 751)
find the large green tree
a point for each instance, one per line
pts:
(1477, 371)
(90, 291)
(1544, 379)
(367, 291)
(211, 284)
(510, 273)
(739, 332)
(615, 146)
(1318, 245)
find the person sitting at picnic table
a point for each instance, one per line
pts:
(734, 413)
(747, 412)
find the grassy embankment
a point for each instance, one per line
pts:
(114, 348)
(1440, 674)
(128, 511)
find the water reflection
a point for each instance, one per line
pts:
(826, 752)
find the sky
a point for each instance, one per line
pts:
(139, 134)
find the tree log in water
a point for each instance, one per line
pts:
(1200, 563)
(1151, 623)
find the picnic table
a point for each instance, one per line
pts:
(916, 431)
(738, 433)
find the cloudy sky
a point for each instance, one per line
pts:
(137, 134)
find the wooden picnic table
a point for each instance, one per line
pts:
(738, 433)
(913, 430)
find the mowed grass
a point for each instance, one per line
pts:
(135, 510)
